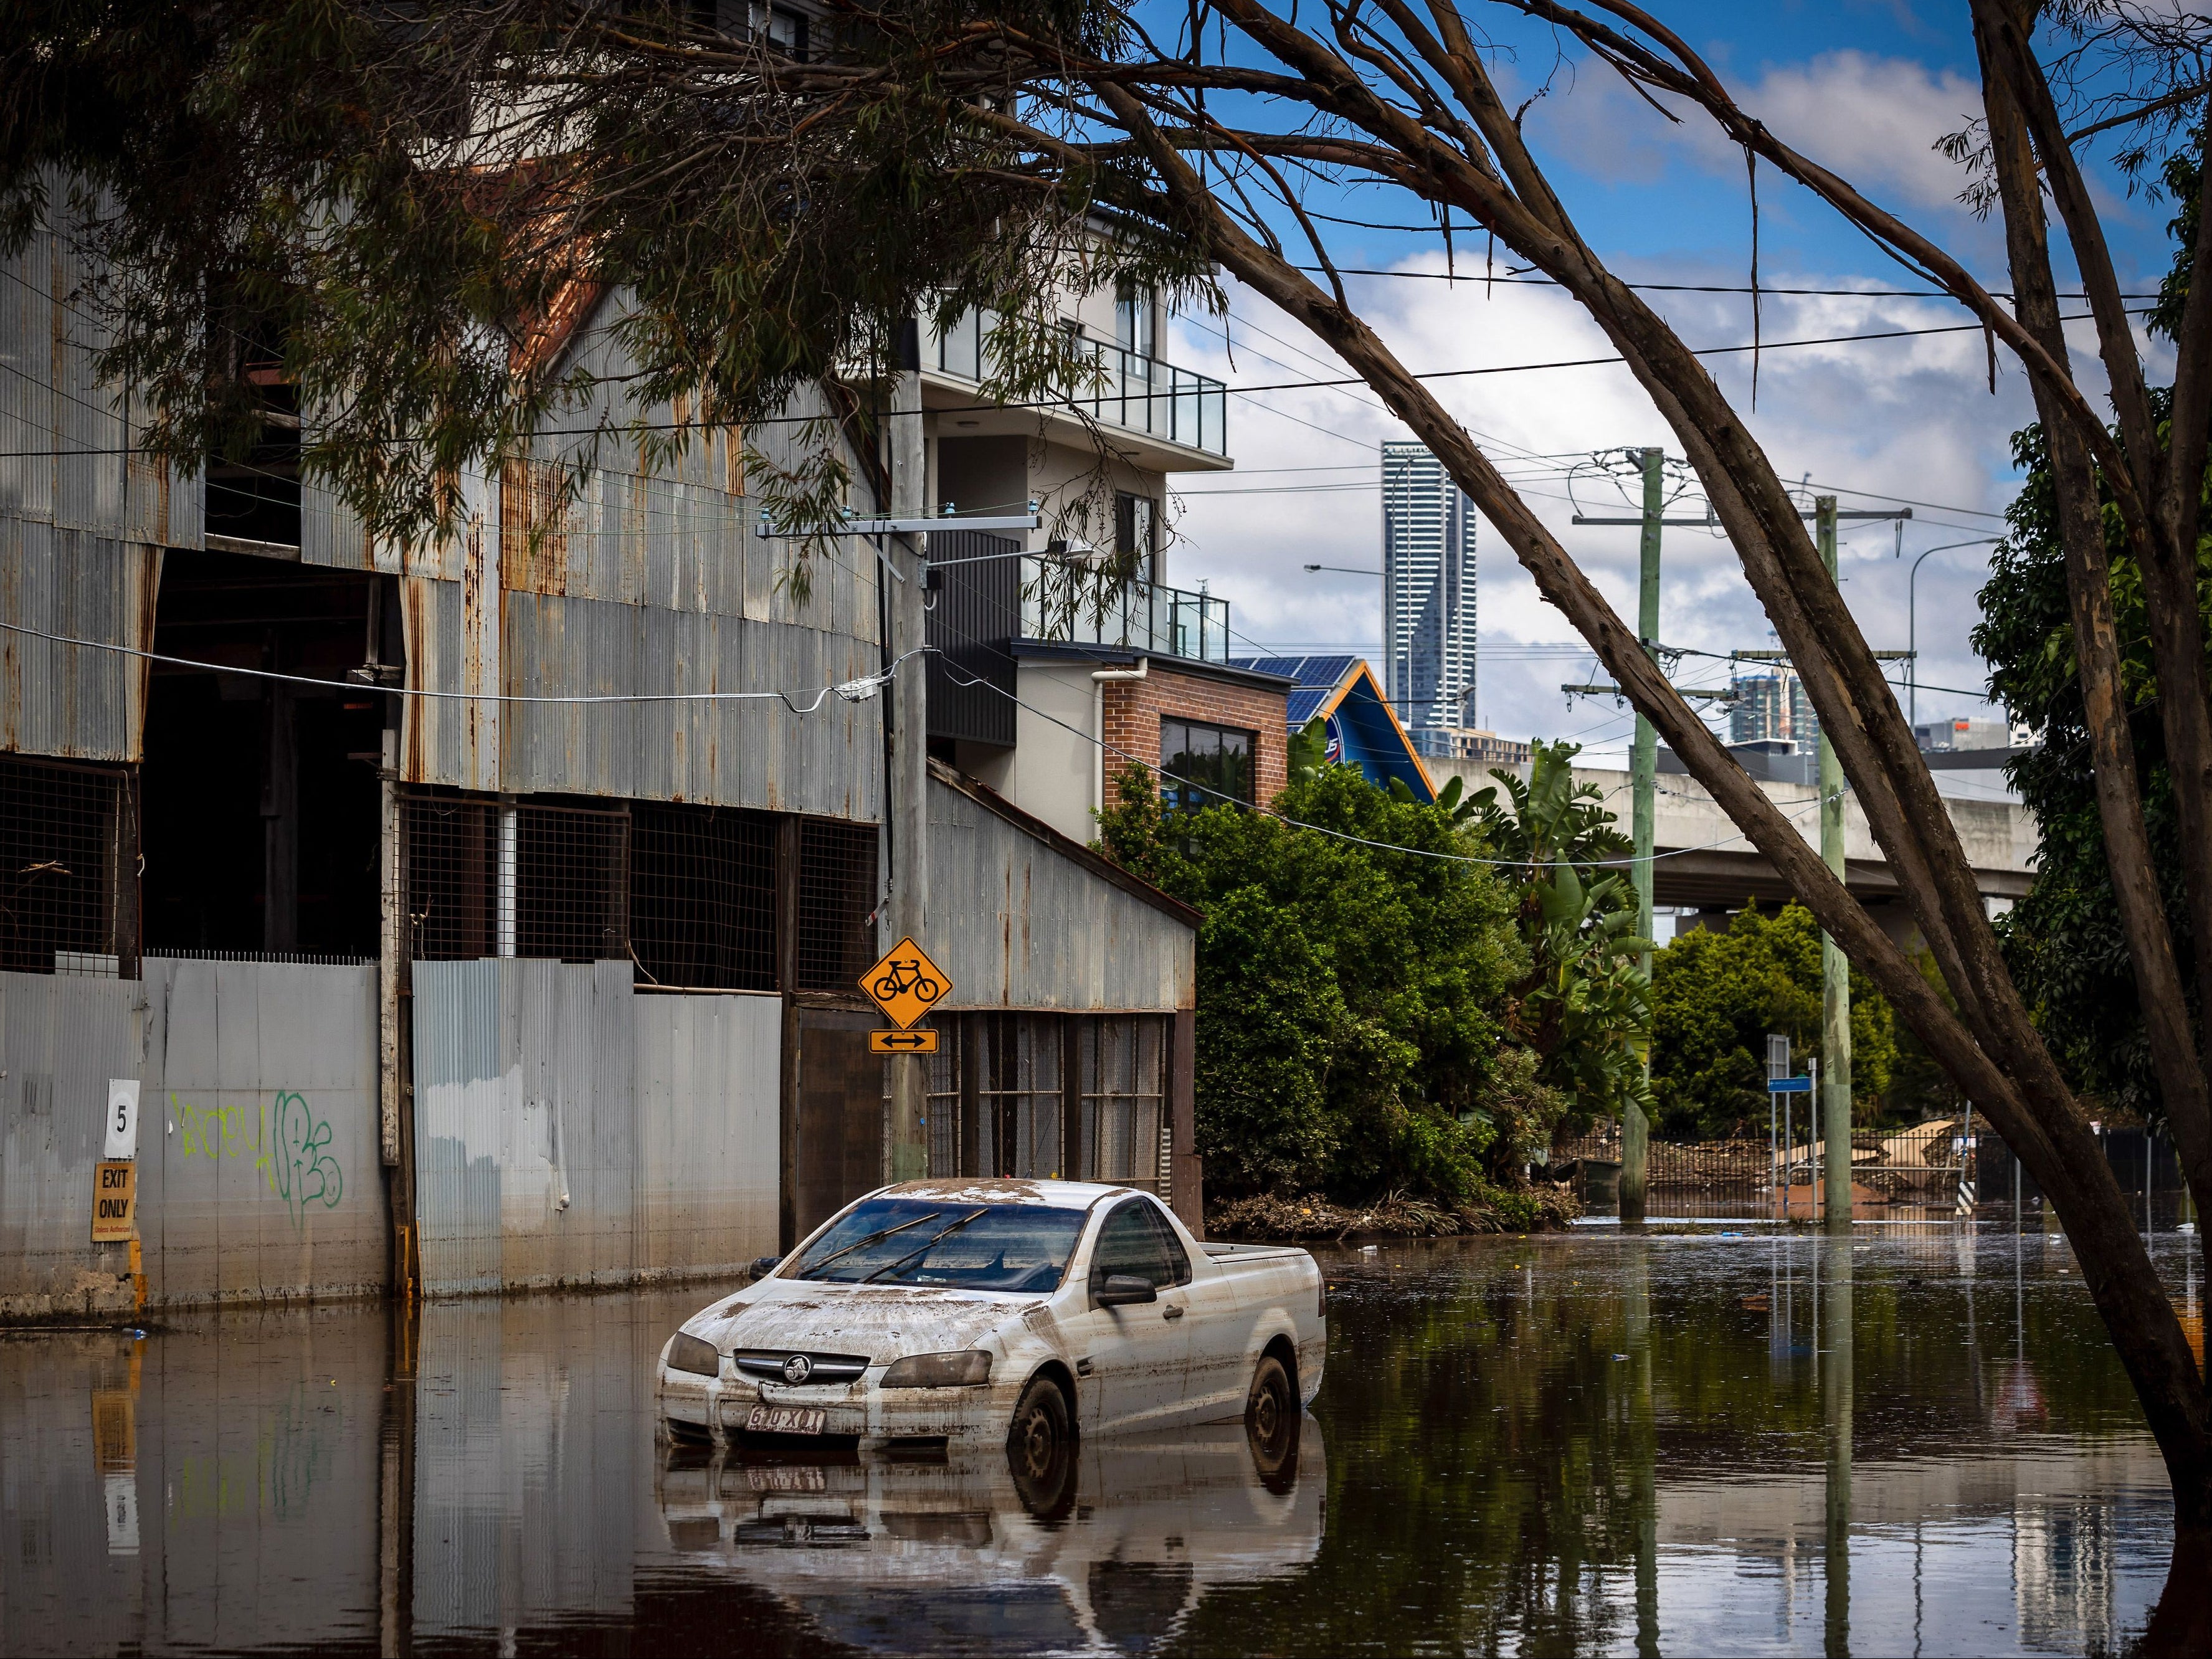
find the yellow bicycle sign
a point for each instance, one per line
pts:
(905, 983)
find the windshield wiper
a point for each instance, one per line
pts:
(942, 1233)
(875, 1237)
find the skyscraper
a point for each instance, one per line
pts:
(1774, 706)
(1428, 590)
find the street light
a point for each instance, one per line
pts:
(1911, 629)
(1346, 569)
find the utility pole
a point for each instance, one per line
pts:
(1644, 778)
(906, 914)
(1835, 967)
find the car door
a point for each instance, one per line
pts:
(1131, 1360)
(1217, 1333)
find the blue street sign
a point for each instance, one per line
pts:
(1789, 1085)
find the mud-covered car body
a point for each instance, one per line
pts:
(823, 1334)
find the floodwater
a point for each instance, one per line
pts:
(1700, 1440)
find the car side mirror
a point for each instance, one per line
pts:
(1120, 1290)
(763, 1265)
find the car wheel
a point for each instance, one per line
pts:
(1271, 1416)
(1041, 1449)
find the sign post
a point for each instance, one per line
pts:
(1778, 1092)
(906, 985)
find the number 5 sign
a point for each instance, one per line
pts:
(122, 1123)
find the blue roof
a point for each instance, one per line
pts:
(1361, 731)
(1323, 672)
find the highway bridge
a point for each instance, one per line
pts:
(1705, 870)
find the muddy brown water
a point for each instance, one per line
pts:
(1594, 1442)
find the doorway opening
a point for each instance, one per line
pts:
(259, 827)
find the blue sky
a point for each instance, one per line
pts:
(1866, 87)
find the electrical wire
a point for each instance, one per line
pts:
(852, 690)
(1075, 405)
(964, 680)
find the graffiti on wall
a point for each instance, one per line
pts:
(288, 1142)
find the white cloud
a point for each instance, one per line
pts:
(1906, 417)
(1874, 120)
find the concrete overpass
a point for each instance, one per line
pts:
(1705, 867)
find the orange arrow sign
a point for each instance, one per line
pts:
(901, 1042)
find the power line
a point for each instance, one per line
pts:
(1521, 280)
(1337, 834)
(1075, 405)
(853, 690)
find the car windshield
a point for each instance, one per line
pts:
(966, 1245)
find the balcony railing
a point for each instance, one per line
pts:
(1060, 601)
(1132, 390)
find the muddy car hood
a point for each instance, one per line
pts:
(881, 1322)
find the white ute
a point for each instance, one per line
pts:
(1023, 1310)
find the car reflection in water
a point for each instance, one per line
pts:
(1110, 1546)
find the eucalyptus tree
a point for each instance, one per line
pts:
(401, 194)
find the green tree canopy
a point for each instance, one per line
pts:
(1715, 998)
(1350, 996)
(2064, 943)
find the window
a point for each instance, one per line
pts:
(489, 879)
(786, 30)
(1124, 1075)
(836, 903)
(1018, 1099)
(58, 895)
(1203, 765)
(1133, 1244)
(913, 1241)
(1133, 541)
(703, 896)
(1133, 318)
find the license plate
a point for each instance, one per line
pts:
(787, 1477)
(785, 1419)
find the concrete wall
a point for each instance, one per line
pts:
(258, 1172)
(1052, 771)
(570, 1132)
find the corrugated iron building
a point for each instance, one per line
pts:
(422, 971)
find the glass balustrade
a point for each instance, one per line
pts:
(1068, 602)
(1129, 389)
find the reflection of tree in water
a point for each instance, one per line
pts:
(1486, 1443)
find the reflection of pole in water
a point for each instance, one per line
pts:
(1836, 1384)
(1644, 1442)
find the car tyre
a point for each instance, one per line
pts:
(1270, 1417)
(1041, 1449)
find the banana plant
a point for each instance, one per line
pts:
(1584, 1006)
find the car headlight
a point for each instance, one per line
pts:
(689, 1353)
(939, 1370)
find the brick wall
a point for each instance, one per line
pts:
(1133, 709)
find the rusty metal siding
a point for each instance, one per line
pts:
(708, 1134)
(258, 1167)
(755, 752)
(1021, 926)
(258, 1173)
(61, 1039)
(67, 437)
(68, 700)
(569, 1131)
(460, 1090)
